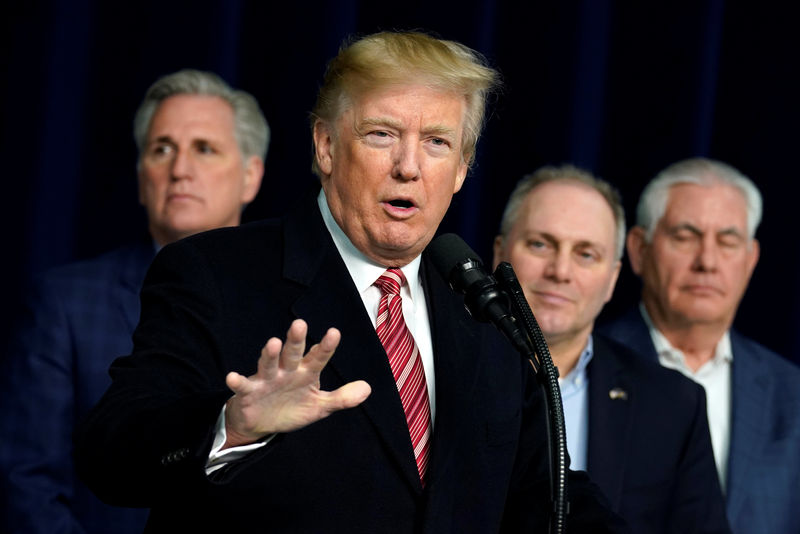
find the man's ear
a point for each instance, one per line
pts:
(323, 146)
(753, 254)
(636, 244)
(613, 281)
(253, 173)
(461, 173)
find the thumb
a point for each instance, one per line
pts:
(348, 396)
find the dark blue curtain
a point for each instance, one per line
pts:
(621, 88)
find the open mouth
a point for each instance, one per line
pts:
(398, 203)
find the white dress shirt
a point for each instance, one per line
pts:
(715, 377)
(364, 273)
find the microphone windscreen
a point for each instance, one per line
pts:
(448, 251)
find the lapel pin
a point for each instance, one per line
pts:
(618, 394)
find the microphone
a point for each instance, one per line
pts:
(485, 301)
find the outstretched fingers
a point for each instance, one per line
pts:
(295, 346)
(284, 395)
(320, 354)
(269, 361)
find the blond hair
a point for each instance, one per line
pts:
(397, 58)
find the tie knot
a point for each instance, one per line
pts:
(391, 281)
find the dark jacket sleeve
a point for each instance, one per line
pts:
(38, 409)
(698, 501)
(149, 436)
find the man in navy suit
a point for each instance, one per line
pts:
(694, 248)
(638, 429)
(217, 431)
(201, 151)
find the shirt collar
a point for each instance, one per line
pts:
(722, 352)
(362, 270)
(577, 376)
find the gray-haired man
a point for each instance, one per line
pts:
(201, 146)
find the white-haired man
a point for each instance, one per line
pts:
(694, 248)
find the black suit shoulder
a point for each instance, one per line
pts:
(256, 240)
(651, 376)
(133, 258)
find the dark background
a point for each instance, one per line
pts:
(620, 88)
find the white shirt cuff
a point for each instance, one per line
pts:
(217, 459)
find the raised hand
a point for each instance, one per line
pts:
(284, 394)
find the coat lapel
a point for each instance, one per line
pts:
(610, 415)
(632, 331)
(457, 358)
(331, 300)
(750, 386)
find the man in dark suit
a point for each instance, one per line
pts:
(217, 431)
(638, 429)
(694, 247)
(201, 150)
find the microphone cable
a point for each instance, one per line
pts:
(547, 375)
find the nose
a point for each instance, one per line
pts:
(707, 255)
(559, 268)
(406, 160)
(182, 165)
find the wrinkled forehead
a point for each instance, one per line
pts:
(361, 96)
(570, 209)
(193, 115)
(707, 207)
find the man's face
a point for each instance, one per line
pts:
(697, 266)
(391, 164)
(562, 248)
(191, 173)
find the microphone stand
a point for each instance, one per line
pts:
(547, 375)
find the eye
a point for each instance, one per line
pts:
(379, 138)
(205, 148)
(730, 240)
(685, 238)
(537, 246)
(587, 257)
(161, 149)
(439, 146)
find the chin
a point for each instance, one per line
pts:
(551, 328)
(701, 315)
(402, 243)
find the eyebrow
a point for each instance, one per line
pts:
(162, 139)
(685, 226)
(731, 230)
(582, 243)
(434, 129)
(169, 140)
(379, 121)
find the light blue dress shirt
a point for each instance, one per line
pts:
(575, 398)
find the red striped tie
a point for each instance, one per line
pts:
(406, 365)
